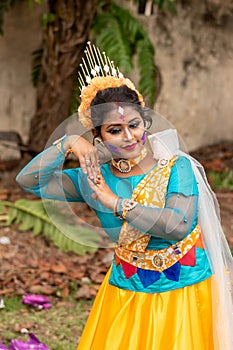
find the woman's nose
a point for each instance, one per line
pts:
(127, 134)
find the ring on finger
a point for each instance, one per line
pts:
(87, 161)
(99, 180)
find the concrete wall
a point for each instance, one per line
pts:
(193, 51)
(22, 35)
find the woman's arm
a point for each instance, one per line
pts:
(175, 219)
(44, 177)
(179, 215)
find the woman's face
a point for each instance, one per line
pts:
(123, 132)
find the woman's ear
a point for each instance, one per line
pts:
(94, 132)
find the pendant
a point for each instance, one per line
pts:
(163, 162)
(123, 165)
(126, 165)
(158, 260)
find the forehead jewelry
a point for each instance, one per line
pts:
(95, 64)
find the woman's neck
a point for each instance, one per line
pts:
(141, 168)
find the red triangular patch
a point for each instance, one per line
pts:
(129, 270)
(189, 259)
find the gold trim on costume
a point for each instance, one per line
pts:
(151, 191)
(160, 260)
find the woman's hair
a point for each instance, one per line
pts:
(108, 99)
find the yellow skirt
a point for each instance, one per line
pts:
(125, 320)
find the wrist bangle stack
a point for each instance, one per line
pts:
(59, 144)
(116, 206)
(122, 206)
(127, 205)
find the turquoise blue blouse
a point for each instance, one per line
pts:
(181, 181)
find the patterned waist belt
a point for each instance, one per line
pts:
(159, 260)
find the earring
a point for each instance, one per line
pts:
(103, 152)
(98, 141)
(147, 124)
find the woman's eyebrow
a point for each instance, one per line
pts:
(119, 124)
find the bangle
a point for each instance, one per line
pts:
(68, 152)
(116, 205)
(127, 205)
(59, 144)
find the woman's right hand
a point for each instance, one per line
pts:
(86, 153)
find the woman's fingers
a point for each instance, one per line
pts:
(86, 153)
(92, 185)
(92, 164)
(102, 192)
(97, 184)
(82, 162)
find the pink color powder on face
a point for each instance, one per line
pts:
(143, 138)
(114, 149)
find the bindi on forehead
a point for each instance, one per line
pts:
(121, 112)
(121, 115)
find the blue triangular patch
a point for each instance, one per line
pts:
(147, 277)
(173, 272)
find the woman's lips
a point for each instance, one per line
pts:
(130, 147)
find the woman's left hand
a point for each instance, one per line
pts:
(102, 192)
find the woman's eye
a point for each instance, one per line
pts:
(115, 131)
(134, 125)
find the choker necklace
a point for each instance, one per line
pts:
(125, 165)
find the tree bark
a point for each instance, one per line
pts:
(64, 42)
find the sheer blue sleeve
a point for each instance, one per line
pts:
(182, 179)
(178, 217)
(44, 177)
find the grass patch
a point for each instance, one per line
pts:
(221, 180)
(59, 327)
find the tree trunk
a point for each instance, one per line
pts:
(64, 42)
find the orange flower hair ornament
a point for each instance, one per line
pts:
(104, 75)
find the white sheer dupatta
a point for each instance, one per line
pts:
(165, 144)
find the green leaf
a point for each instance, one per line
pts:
(39, 2)
(166, 4)
(221, 180)
(147, 69)
(27, 223)
(47, 18)
(112, 40)
(12, 215)
(33, 216)
(38, 226)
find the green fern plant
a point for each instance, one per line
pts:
(169, 4)
(32, 215)
(221, 180)
(122, 36)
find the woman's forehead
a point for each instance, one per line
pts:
(121, 114)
